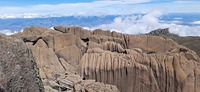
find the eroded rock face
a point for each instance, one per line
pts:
(57, 55)
(141, 72)
(191, 42)
(18, 71)
(68, 59)
(162, 32)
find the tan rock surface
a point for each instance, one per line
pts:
(92, 86)
(68, 57)
(71, 54)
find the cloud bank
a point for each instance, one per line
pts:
(95, 8)
(99, 8)
(141, 24)
(144, 24)
(196, 22)
(7, 32)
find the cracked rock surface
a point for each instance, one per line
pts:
(18, 71)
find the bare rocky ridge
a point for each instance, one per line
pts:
(191, 42)
(75, 59)
(162, 32)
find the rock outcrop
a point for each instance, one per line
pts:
(75, 59)
(162, 32)
(18, 70)
(57, 56)
(191, 42)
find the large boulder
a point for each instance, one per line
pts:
(18, 70)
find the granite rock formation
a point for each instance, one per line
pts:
(191, 42)
(162, 32)
(18, 71)
(80, 60)
(57, 56)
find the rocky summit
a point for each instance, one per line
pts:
(191, 42)
(73, 59)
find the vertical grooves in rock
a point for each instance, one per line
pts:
(150, 65)
(86, 66)
(166, 77)
(175, 74)
(126, 41)
(54, 43)
(148, 43)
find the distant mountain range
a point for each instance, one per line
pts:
(17, 24)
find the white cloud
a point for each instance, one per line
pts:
(125, 24)
(29, 15)
(147, 23)
(196, 22)
(177, 6)
(178, 18)
(142, 24)
(102, 7)
(7, 32)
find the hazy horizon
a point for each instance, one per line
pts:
(126, 16)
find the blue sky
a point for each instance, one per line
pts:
(94, 7)
(35, 2)
(53, 2)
